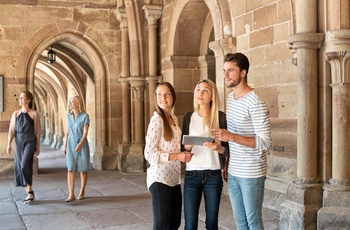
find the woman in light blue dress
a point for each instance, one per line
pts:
(77, 147)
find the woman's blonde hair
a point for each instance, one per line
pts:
(80, 103)
(212, 121)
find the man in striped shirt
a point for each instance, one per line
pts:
(249, 136)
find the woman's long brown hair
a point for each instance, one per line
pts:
(168, 132)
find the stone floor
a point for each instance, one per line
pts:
(114, 200)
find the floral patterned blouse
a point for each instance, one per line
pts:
(157, 152)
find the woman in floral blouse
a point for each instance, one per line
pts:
(163, 152)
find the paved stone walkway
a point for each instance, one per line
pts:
(114, 200)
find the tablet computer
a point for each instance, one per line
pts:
(196, 140)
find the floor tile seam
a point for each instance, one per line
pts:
(18, 210)
(134, 214)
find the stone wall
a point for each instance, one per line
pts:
(26, 28)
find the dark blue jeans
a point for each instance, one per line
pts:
(167, 205)
(210, 183)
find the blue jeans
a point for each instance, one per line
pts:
(210, 183)
(246, 196)
(167, 205)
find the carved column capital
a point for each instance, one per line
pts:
(152, 13)
(339, 61)
(137, 86)
(223, 46)
(305, 40)
(120, 14)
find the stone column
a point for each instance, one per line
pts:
(123, 147)
(304, 195)
(336, 196)
(207, 67)
(135, 160)
(152, 13)
(125, 72)
(220, 49)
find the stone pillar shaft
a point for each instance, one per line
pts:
(152, 45)
(341, 134)
(307, 113)
(125, 53)
(137, 90)
(299, 211)
(339, 14)
(126, 114)
(336, 196)
(306, 22)
(152, 13)
(306, 17)
(341, 114)
(125, 72)
(220, 49)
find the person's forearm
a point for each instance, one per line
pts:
(242, 140)
(173, 157)
(220, 149)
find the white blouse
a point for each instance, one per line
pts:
(157, 152)
(203, 158)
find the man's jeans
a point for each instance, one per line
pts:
(247, 195)
(167, 205)
(197, 182)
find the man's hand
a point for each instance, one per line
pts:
(222, 135)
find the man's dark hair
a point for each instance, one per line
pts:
(240, 59)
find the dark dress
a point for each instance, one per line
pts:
(25, 147)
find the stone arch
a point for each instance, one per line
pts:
(220, 15)
(193, 25)
(84, 37)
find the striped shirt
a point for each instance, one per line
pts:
(248, 116)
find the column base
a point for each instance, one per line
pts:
(333, 218)
(300, 209)
(123, 151)
(104, 159)
(336, 211)
(135, 161)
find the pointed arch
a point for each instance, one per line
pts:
(82, 37)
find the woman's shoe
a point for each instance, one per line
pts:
(81, 197)
(71, 198)
(29, 200)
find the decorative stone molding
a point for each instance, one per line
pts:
(121, 17)
(339, 62)
(152, 78)
(338, 40)
(152, 13)
(305, 40)
(137, 85)
(307, 181)
(223, 46)
(340, 182)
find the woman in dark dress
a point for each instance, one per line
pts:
(26, 130)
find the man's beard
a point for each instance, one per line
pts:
(232, 84)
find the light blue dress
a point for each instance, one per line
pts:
(77, 161)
